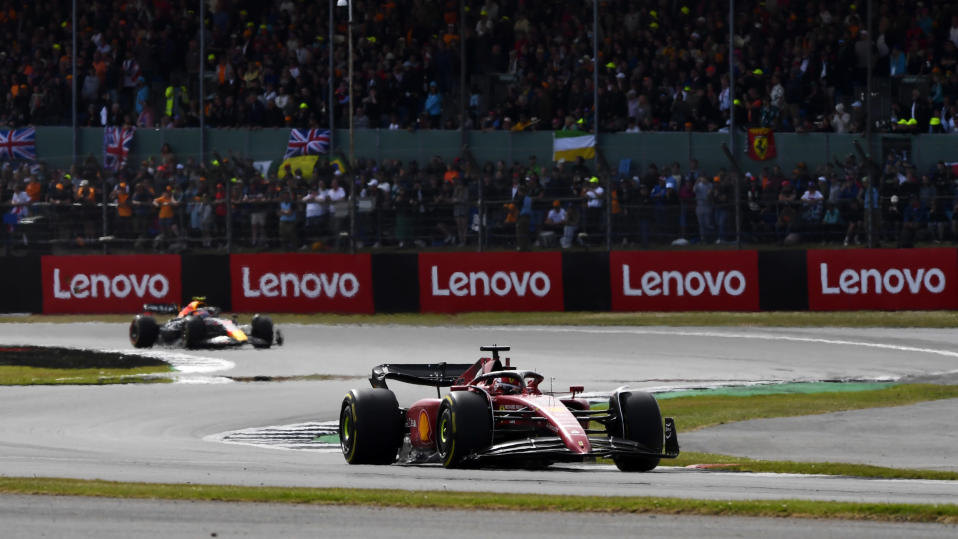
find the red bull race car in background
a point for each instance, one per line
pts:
(497, 414)
(198, 325)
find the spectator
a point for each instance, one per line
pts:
(703, 208)
(287, 221)
(841, 120)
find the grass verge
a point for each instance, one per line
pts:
(926, 319)
(739, 464)
(697, 412)
(11, 375)
(939, 513)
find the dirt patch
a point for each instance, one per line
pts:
(47, 357)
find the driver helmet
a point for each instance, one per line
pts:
(192, 307)
(503, 387)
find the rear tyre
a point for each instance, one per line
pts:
(262, 330)
(370, 426)
(194, 332)
(638, 420)
(464, 427)
(143, 331)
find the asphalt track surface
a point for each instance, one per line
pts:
(166, 432)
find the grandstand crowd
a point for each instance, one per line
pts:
(172, 204)
(662, 65)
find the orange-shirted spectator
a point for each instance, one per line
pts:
(88, 212)
(34, 189)
(124, 209)
(166, 204)
(85, 193)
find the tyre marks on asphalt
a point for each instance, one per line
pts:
(320, 436)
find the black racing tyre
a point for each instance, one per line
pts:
(262, 328)
(194, 331)
(370, 426)
(143, 331)
(638, 420)
(464, 426)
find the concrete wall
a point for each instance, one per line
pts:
(54, 145)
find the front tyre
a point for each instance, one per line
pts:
(143, 331)
(370, 426)
(261, 329)
(638, 420)
(463, 428)
(194, 331)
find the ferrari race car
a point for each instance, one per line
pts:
(497, 414)
(198, 325)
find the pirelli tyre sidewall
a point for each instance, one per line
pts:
(637, 419)
(143, 331)
(370, 426)
(194, 331)
(464, 427)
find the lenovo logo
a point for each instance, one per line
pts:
(301, 283)
(464, 282)
(693, 283)
(100, 285)
(684, 281)
(887, 279)
(481, 283)
(108, 283)
(308, 285)
(890, 281)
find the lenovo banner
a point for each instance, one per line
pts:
(886, 279)
(684, 281)
(301, 283)
(108, 284)
(461, 282)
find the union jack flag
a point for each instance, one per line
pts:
(307, 141)
(18, 144)
(117, 142)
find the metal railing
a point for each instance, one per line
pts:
(394, 223)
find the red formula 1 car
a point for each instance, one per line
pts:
(495, 413)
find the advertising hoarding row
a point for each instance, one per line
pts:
(517, 282)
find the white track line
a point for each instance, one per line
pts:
(752, 336)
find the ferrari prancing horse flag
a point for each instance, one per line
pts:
(761, 143)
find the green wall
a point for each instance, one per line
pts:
(54, 145)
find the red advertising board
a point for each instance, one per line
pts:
(462, 282)
(108, 284)
(302, 283)
(684, 281)
(886, 279)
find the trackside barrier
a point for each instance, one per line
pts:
(460, 282)
(108, 283)
(840, 279)
(684, 281)
(20, 290)
(302, 283)
(882, 279)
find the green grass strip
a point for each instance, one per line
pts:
(777, 389)
(926, 319)
(742, 464)
(13, 375)
(697, 412)
(937, 513)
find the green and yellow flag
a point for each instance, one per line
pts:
(568, 145)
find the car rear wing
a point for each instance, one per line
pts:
(164, 308)
(423, 374)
